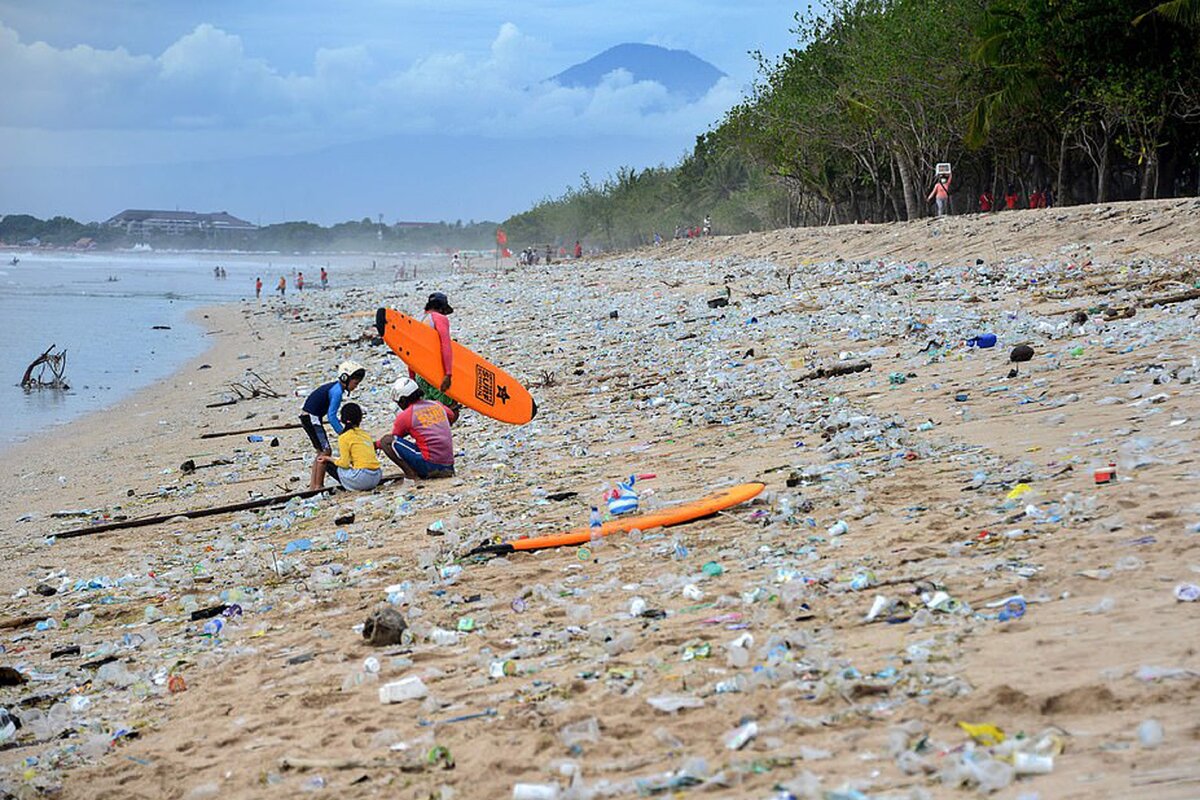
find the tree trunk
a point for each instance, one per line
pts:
(1060, 195)
(911, 208)
(1149, 177)
(1102, 171)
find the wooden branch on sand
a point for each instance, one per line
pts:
(262, 502)
(284, 427)
(836, 370)
(1170, 299)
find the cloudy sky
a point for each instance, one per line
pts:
(330, 111)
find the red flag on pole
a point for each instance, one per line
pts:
(501, 237)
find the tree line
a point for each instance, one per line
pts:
(286, 237)
(1087, 100)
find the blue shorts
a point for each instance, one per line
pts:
(410, 454)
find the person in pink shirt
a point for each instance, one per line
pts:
(420, 443)
(438, 307)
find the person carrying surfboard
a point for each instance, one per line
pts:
(356, 467)
(430, 452)
(438, 308)
(324, 401)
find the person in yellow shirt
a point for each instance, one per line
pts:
(356, 466)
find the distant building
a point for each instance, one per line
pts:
(140, 222)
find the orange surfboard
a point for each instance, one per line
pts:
(674, 515)
(475, 382)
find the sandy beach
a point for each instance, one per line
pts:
(697, 361)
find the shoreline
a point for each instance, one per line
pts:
(192, 317)
(703, 396)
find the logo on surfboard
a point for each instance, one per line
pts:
(485, 386)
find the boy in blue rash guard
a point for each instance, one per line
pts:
(323, 404)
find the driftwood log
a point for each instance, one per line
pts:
(836, 370)
(55, 362)
(262, 502)
(284, 427)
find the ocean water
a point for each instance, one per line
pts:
(103, 308)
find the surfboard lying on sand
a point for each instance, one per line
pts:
(475, 382)
(674, 515)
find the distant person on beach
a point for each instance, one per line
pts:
(216, 272)
(707, 225)
(578, 249)
(258, 288)
(324, 278)
(323, 404)
(282, 287)
(430, 452)
(454, 263)
(356, 466)
(1011, 198)
(986, 201)
(940, 194)
(300, 282)
(438, 308)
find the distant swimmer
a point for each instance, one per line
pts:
(323, 404)
(258, 288)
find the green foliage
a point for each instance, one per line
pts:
(1071, 95)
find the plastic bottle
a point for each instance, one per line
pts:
(535, 791)
(410, 688)
(594, 522)
(254, 437)
(1150, 734)
(1033, 764)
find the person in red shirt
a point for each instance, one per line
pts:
(1011, 198)
(986, 201)
(429, 453)
(300, 282)
(578, 249)
(257, 288)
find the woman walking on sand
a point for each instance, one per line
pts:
(941, 194)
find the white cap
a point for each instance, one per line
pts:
(347, 368)
(403, 389)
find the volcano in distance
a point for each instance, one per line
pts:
(682, 73)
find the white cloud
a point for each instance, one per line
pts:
(206, 81)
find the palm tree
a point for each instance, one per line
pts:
(1184, 12)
